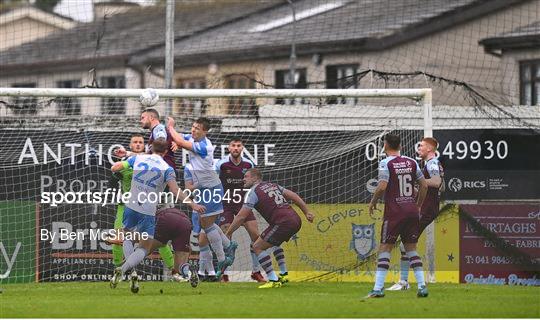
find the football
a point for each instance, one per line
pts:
(149, 97)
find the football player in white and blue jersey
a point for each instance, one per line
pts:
(209, 191)
(200, 260)
(151, 174)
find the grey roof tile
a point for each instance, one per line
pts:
(124, 34)
(356, 20)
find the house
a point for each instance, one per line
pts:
(339, 44)
(22, 24)
(519, 51)
(96, 54)
(408, 44)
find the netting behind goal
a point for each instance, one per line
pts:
(327, 154)
(480, 59)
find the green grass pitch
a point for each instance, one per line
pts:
(306, 299)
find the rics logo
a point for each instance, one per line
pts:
(455, 184)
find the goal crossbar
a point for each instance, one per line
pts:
(417, 94)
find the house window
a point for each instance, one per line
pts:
(529, 75)
(69, 106)
(191, 107)
(113, 105)
(283, 81)
(24, 105)
(342, 77)
(241, 105)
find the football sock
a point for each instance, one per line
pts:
(279, 254)
(254, 260)
(403, 264)
(266, 264)
(383, 264)
(226, 241)
(127, 248)
(416, 265)
(205, 257)
(134, 259)
(215, 240)
(167, 256)
(118, 254)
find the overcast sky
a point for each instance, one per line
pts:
(81, 10)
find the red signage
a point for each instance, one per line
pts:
(500, 244)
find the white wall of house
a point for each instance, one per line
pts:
(453, 53)
(89, 106)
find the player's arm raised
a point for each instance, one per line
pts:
(177, 137)
(122, 152)
(291, 195)
(121, 165)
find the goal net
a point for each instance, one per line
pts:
(479, 59)
(327, 153)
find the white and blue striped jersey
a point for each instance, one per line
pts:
(150, 176)
(201, 159)
(188, 175)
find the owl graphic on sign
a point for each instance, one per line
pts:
(363, 239)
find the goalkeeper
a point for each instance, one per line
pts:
(136, 146)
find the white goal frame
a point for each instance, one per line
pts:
(422, 96)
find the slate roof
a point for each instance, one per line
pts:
(358, 25)
(221, 32)
(112, 40)
(527, 36)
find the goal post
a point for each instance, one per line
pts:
(322, 143)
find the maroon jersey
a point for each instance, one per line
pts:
(267, 198)
(431, 204)
(401, 173)
(159, 131)
(232, 179)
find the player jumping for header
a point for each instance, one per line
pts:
(201, 158)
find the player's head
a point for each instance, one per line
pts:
(160, 146)
(392, 142)
(427, 148)
(136, 143)
(251, 177)
(149, 118)
(200, 128)
(236, 147)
